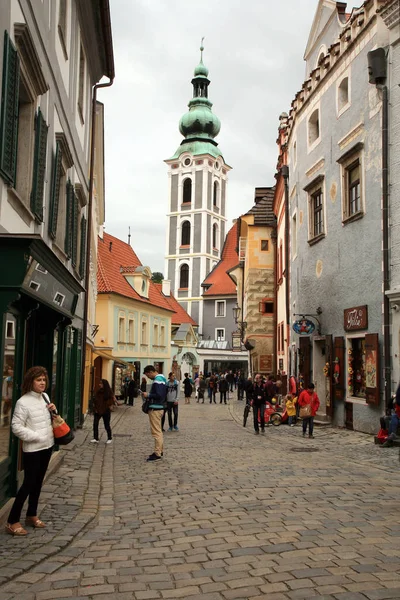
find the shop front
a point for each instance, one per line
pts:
(38, 326)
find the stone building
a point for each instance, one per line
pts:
(52, 55)
(333, 136)
(197, 178)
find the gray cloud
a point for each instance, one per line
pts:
(254, 51)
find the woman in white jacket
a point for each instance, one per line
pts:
(31, 423)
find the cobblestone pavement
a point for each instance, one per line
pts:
(225, 515)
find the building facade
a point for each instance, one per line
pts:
(197, 176)
(52, 55)
(334, 134)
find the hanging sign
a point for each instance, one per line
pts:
(356, 318)
(236, 341)
(303, 327)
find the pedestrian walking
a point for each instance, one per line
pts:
(196, 388)
(103, 401)
(309, 404)
(230, 378)
(290, 409)
(132, 392)
(248, 389)
(187, 388)
(31, 423)
(157, 396)
(172, 403)
(240, 385)
(202, 388)
(259, 398)
(223, 386)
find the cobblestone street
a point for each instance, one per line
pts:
(225, 515)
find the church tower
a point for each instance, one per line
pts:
(197, 178)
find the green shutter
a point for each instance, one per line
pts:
(55, 192)
(39, 166)
(82, 258)
(9, 112)
(75, 226)
(69, 219)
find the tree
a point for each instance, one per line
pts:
(157, 277)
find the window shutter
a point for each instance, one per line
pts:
(372, 391)
(55, 192)
(69, 219)
(75, 225)
(82, 258)
(39, 166)
(9, 112)
(339, 368)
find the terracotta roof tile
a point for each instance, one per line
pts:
(114, 254)
(219, 281)
(180, 315)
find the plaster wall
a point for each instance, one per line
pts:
(211, 322)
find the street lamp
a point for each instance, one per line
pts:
(236, 312)
(240, 324)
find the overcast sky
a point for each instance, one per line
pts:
(254, 52)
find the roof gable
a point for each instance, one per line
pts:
(218, 282)
(326, 9)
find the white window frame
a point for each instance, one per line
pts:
(121, 329)
(223, 302)
(346, 161)
(156, 334)
(12, 336)
(311, 189)
(223, 334)
(131, 330)
(162, 335)
(144, 338)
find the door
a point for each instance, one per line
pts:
(349, 415)
(328, 378)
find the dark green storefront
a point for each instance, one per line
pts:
(38, 326)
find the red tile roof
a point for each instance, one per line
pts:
(219, 281)
(180, 315)
(114, 254)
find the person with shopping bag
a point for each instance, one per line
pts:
(309, 404)
(32, 423)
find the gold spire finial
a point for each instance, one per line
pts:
(201, 49)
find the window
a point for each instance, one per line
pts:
(220, 335)
(81, 84)
(62, 26)
(264, 245)
(184, 277)
(266, 307)
(121, 330)
(220, 308)
(187, 191)
(155, 335)
(185, 240)
(313, 128)
(162, 335)
(131, 331)
(215, 193)
(343, 95)
(144, 333)
(242, 249)
(10, 329)
(352, 183)
(215, 236)
(294, 235)
(316, 213)
(59, 299)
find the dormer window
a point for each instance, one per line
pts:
(138, 278)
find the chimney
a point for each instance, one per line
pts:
(166, 287)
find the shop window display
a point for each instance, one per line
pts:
(7, 385)
(356, 368)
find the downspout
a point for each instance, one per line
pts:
(285, 175)
(385, 240)
(89, 234)
(274, 239)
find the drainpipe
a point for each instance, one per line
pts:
(285, 175)
(385, 240)
(89, 234)
(274, 239)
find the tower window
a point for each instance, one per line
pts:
(215, 236)
(187, 191)
(215, 193)
(185, 241)
(184, 277)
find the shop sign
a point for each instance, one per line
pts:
(303, 327)
(266, 363)
(236, 342)
(356, 318)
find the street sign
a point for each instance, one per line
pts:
(303, 327)
(236, 341)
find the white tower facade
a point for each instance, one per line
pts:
(197, 180)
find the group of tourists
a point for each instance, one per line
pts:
(207, 386)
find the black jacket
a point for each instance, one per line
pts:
(258, 390)
(223, 385)
(188, 389)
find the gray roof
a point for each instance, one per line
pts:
(213, 345)
(263, 207)
(182, 332)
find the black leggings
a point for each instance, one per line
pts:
(35, 467)
(106, 420)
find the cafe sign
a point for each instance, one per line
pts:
(356, 318)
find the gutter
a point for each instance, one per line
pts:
(385, 242)
(285, 175)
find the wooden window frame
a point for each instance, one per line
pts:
(186, 233)
(185, 193)
(351, 159)
(185, 267)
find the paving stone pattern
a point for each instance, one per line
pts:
(225, 515)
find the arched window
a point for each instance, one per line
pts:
(215, 236)
(184, 277)
(185, 240)
(343, 93)
(187, 190)
(215, 194)
(313, 127)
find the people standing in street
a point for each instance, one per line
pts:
(202, 388)
(103, 401)
(132, 392)
(172, 403)
(223, 386)
(259, 398)
(248, 389)
(31, 423)
(157, 396)
(196, 388)
(308, 398)
(290, 409)
(187, 388)
(230, 378)
(212, 389)
(240, 385)
(143, 385)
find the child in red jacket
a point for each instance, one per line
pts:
(309, 398)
